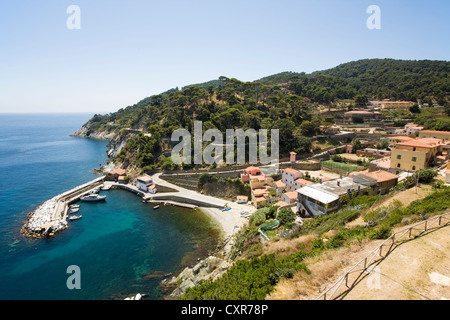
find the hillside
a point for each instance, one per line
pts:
(140, 134)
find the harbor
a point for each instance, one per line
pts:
(53, 215)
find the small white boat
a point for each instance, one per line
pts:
(74, 206)
(156, 207)
(75, 217)
(93, 197)
(73, 210)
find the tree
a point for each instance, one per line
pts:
(356, 143)
(285, 215)
(361, 100)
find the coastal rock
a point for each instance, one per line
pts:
(209, 269)
(84, 132)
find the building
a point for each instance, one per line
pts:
(242, 199)
(145, 183)
(412, 128)
(279, 187)
(444, 135)
(386, 104)
(115, 174)
(380, 181)
(325, 197)
(288, 176)
(416, 154)
(250, 171)
(289, 197)
(395, 139)
(300, 183)
(447, 176)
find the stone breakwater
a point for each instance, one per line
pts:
(50, 217)
(42, 216)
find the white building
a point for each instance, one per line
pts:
(145, 183)
(288, 176)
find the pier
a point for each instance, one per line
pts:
(51, 216)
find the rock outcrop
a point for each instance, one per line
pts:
(209, 269)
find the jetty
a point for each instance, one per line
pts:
(51, 216)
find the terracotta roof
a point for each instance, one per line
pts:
(381, 175)
(118, 171)
(424, 142)
(260, 177)
(303, 181)
(259, 199)
(291, 195)
(290, 170)
(251, 168)
(326, 179)
(280, 204)
(280, 184)
(401, 138)
(145, 178)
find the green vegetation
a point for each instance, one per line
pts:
(339, 166)
(256, 277)
(287, 101)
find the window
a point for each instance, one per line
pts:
(398, 165)
(414, 167)
(414, 148)
(399, 156)
(414, 159)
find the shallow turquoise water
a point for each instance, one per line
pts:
(120, 245)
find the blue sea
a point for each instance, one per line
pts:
(122, 246)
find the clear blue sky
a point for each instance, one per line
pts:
(128, 50)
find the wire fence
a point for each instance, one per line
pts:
(356, 273)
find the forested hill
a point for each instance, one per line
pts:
(285, 101)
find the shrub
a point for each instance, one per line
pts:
(285, 215)
(257, 218)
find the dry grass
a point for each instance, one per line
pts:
(285, 247)
(325, 269)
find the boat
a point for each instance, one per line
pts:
(93, 197)
(225, 209)
(73, 210)
(156, 207)
(75, 217)
(74, 206)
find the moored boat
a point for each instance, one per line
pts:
(93, 197)
(75, 217)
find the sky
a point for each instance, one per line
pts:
(124, 51)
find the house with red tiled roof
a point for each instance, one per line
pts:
(383, 180)
(288, 176)
(115, 174)
(250, 171)
(289, 197)
(443, 135)
(299, 183)
(417, 154)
